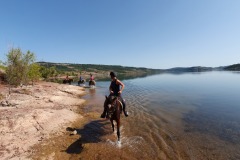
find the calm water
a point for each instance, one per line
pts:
(172, 116)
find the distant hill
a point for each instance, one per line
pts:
(189, 69)
(95, 67)
(234, 67)
(122, 70)
(100, 69)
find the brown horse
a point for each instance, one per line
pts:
(92, 83)
(81, 81)
(69, 81)
(114, 110)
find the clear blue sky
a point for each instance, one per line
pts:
(140, 33)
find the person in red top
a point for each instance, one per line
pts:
(91, 81)
(91, 77)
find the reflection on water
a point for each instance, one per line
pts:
(186, 116)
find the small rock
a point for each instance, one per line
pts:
(5, 103)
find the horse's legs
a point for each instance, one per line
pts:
(118, 129)
(112, 124)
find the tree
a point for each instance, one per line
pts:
(48, 72)
(27, 61)
(34, 72)
(18, 65)
(14, 67)
(2, 71)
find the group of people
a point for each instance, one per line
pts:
(91, 78)
(116, 88)
(82, 80)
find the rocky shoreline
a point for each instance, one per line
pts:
(32, 114)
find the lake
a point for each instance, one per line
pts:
(171, 116)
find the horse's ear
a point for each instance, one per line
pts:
(106, 96)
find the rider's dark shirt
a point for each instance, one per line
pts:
(115, 87)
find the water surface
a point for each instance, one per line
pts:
(172, 116)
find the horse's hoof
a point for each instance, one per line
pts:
(126, 114)
(119, 143)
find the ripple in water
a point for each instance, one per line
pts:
(128, 142)
(167, 113)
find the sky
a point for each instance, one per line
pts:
(156, 34)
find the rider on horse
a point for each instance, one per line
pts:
(115, 90)
(91, 77)
(67, 77)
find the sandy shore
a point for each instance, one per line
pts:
(32, 114)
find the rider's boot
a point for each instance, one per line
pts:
(125, 113)
(124, 107)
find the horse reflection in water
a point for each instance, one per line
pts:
(114, 110)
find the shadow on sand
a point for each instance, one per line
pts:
(90, 133)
